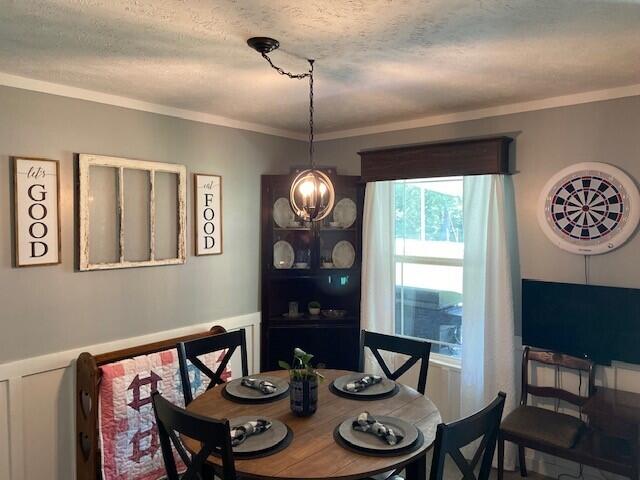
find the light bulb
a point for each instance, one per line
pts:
(307, 188)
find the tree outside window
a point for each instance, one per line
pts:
(429, 240)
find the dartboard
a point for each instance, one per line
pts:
(589, 208)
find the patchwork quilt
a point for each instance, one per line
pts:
(129, 440)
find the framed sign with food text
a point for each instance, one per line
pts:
(208, 213)
(36, 203)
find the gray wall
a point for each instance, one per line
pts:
(546, 141)
(48, 309)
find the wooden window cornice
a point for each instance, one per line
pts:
(482, 156)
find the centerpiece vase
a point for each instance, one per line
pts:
(303, 395)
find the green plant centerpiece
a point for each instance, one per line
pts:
(303, 391)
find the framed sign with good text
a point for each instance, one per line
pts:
(36, 200)
(208, 214)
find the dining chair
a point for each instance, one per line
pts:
(451, 437)
(188, 352)
(213, 435)
(418, 351)
(542, 429)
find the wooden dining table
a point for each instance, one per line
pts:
(313, 453)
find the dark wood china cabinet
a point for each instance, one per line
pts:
(311, 262)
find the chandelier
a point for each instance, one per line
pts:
(312, 194)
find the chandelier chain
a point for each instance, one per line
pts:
(300, 76)
(311, 160)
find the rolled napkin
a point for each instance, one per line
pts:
(240, 433)
(368, 424)
(363, 383)
(265, 386)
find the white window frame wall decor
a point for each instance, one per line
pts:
(85, 162)
(36, 212)
(203, 221)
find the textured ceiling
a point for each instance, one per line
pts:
(377, 60)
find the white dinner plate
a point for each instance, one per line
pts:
(343, 254)
(282, 213)
(283, 255)
(345, 212)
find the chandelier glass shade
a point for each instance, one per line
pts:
(312, 195)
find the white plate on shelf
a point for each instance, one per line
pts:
(344, 255)
(283, 255)
(282, 213)
(345, 213)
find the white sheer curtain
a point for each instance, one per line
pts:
(378, 278)
(488, 344)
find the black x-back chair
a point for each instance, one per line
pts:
(450, 438)
(213, 435)
(190, 351)
(417, 350)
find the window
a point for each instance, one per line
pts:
(429, 248)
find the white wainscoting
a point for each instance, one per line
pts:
(37, 411)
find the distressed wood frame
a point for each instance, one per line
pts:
(85, 162)
(15, 212)
(195, 215)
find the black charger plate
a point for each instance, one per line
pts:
(416, 445)
(235, 392)
(263, 452)
(355, 396)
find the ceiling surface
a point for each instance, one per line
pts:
(377, 61)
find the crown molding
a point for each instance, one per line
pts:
(25, 83)
(552, 102)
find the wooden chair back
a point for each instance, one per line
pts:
(450, 438)
(191, 350)
(416, 349)
(558, 360)
(213, 435)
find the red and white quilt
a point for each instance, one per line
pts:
(129, 440)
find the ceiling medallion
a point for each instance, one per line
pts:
(312, 194)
